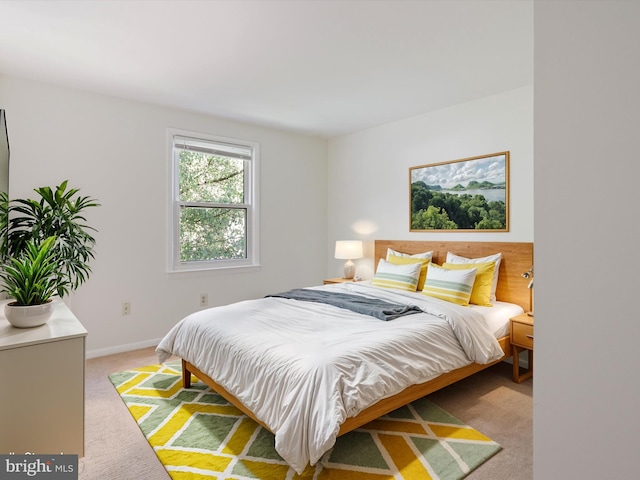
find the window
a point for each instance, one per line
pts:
(214, 202)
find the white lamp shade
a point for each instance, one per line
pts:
(349, 249)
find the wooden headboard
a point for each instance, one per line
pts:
(517, 258)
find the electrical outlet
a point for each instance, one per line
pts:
(126, 308)
(204, 299)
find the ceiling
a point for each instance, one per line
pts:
(320, 67)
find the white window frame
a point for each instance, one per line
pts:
(252, 261)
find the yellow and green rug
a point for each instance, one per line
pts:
(198, 435)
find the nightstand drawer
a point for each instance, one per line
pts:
(522, 334)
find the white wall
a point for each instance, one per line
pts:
(116, 151)
(587, 122)
(369, 170)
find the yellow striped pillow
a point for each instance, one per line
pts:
(497, 257)
(481, 292)
(451, 285)
(404, 260)
(400, 277)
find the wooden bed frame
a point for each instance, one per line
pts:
(517, 257)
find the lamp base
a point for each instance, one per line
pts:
(349, 269)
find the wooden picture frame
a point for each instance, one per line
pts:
(470, 195)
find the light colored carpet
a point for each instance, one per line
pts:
(115, 448)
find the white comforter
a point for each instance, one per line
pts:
(304, 367)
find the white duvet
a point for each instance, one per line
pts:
(304, 367)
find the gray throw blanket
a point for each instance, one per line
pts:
(368, 306)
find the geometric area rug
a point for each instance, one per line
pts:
(198, 435)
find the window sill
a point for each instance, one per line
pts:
(206, 271)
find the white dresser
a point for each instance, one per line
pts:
(42, 385)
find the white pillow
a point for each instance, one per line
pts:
(454, 286)
(428, 255)
(400, 277)
(453, 258)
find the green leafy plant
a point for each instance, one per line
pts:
(59, 214)
(32, 279)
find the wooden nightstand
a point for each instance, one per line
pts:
(521, 337)
(328, 281)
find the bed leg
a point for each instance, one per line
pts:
(186, 375)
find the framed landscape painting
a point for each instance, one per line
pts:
(471, 194)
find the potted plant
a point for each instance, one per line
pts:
(46, 247)
(31, 280)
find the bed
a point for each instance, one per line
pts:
(310, 372)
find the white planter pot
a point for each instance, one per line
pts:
(27, 316)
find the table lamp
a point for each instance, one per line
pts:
(349, 250)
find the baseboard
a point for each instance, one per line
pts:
(102, 352)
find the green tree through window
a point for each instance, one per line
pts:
(214, 203)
